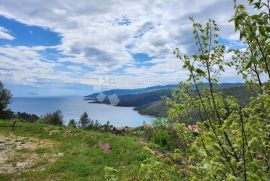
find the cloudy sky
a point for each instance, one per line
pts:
(69, 47)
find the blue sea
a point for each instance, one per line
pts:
(73, 107)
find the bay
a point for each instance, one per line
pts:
(73, 107)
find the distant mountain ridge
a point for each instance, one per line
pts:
(120, 92)
(148, 100)
(128, 92)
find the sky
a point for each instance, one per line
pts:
(55, 47)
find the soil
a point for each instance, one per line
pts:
(18, 154)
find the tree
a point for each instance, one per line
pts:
(72, 123)
(232, 141)
(55, 118)
(5, 99)
(254, 32)
(84, 120)
(27, 117)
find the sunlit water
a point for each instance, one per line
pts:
(73, 107)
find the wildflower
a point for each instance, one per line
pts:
(105, 146)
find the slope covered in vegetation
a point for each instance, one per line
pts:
(35, 151)
(156, 107)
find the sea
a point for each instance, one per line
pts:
(73, 106)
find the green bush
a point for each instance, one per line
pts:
(154, 169)
(54, 118)
(72, 123)
(162, 138)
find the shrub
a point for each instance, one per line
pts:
(27, 117)
(154, 169)
(162, 138)
(54, 118)
(7, 114)
(72, 123)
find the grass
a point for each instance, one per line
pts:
(79, 156)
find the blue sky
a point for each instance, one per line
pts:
(51, 48)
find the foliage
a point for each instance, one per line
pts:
(232, 141)
(7, 114)
(153, 169)
(254, 31)
(162, 138)
(160, 122)
(159, 109)
(27, 117)
(110, 174)
(107, 126)
(84, 120)
(80, 156)
(72, 123)
(54, 118)
(5, 99)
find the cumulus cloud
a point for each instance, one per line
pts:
(103, 36)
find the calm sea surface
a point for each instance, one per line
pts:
(73, 107)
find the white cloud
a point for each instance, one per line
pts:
(4, 34)
(102, 36)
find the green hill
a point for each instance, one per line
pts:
(41, 152)
(124, 92)
(157, 108)
(149, 102)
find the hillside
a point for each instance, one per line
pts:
(157, 108)
(41, 152)
(136, 100)
(124, 92)
(149, 102)
(130, 92)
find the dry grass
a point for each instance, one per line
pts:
(19, 154)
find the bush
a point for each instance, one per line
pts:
(7, 114)
(27, 117)
(162, 138)
(154, 169)
(72, 123)
(55, 118)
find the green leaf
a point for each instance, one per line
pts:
(200, 72)
(252, 60)
(204, 57)
(240, 16)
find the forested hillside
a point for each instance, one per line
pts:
(151, 103)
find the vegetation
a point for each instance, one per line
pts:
(54, 118)
(84, 120)
(26, 116)
(72, 123)
(124, 92)
(162, 137)
(5, 99)
(68, 153)
(210, 133)
(231, 141)
(5, 113)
